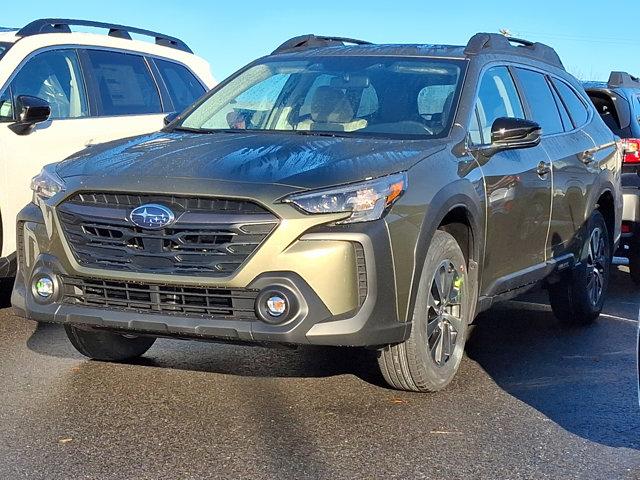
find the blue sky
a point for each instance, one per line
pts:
(230, 34)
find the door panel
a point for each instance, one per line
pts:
(573, 176)
(518, 195)
(518, 209)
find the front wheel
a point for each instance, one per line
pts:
(107, 346)
(578, 297)
(428, 360)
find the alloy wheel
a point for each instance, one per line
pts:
(596, 265)
(444, 312)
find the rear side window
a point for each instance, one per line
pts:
(184, 88)
(124, 84)
(577, 109)
(540, 99)
(497, 97)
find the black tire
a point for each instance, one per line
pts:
(418, 364)
(107, 346)
(572, 299)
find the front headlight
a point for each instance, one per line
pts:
(366, 200)
(46, 184)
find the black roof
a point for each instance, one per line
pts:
(481, 43)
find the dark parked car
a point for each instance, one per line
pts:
(335, 193)
(618, 103)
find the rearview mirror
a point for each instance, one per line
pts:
(31, 110)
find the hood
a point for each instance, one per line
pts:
(301, 161)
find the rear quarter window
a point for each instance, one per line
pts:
(184, 88)
(123, 84)
(577, 109)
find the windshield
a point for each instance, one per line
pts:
(343, 95)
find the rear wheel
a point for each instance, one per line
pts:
(107, 346)
(579, 296)
(428, 360)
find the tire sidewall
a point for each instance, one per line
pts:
(579, 277)
(443, 247)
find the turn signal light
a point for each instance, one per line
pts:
(631, 150)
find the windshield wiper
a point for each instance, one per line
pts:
(192, 130)
(319, 133)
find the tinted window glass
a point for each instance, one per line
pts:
(474, 129)
(497, 97)
(124, 83)
(564, 115)
(577, 109)
(53, 76)
(184, 88)
(543, 106)
(6, 106)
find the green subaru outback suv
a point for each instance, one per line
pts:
(335, 193)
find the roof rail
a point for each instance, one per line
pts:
(623, 79)
(498, 43)
(303, 42)
(62, 25)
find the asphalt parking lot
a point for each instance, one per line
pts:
(532, 400)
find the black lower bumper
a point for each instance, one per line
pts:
(374, 323)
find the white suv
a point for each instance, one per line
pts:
(62, 91)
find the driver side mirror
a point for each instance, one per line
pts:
(512, 133)
(31, 110)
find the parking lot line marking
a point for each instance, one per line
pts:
(547, 308)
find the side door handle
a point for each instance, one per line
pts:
(543, 168)
(587, 157)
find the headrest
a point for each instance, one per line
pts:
(330, 105)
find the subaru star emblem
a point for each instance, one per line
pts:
(151, 216)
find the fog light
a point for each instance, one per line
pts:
(43, 286)
(276, 305)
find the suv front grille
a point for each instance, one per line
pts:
(211, 237)
(233, 304)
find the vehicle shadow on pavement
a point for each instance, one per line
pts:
(582, 378)
(230, 359)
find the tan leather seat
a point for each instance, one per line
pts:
(331, 111)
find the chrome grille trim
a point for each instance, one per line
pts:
(205, 242)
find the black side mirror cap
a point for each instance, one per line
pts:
(171, 117)
(508, 133)
(31, 110)
(512, 133)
